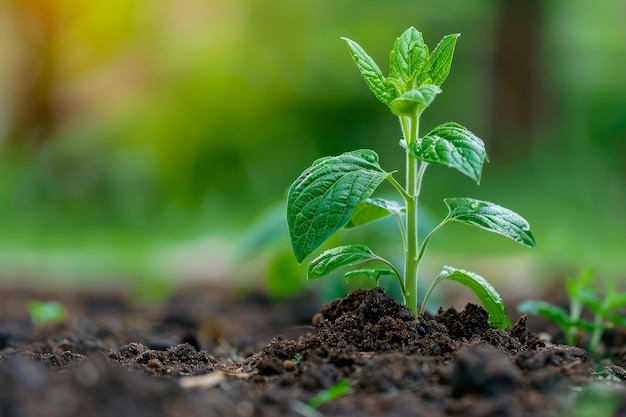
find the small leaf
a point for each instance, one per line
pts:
(43, 312)
(332, 393)
(395, 88)
(490, 217)
(600, 308)
(335, 258)
(322, 200)
(454, 146)
(557, 314)
(576, 286)
(408, 57)
(415, 101)
(614, 299)
(373, 274)
(441, 59)
(370, 72)
(615, 318)
(373, 209)
(589, 298)
(487, 295)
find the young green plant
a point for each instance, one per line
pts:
(581, 294)
(335, 191)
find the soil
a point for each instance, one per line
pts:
(207, 352)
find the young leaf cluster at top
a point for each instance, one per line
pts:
(415, 75)
(581, 294)
(335, 192)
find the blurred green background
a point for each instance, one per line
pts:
(148, 142)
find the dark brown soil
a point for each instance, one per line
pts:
(204, 354)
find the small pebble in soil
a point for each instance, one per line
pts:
(289, 365)
(317, 319)
(154, 363)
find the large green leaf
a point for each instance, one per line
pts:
(414, 101)
(408, 57)
(373, 209)
(487, 295)
(490, 217)
(323, 198)
(335, 258)
(372, 75)
(454, 146)
(441, 59)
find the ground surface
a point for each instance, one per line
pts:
(204, 353)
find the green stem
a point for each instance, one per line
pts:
(395, 271)
(398, 217)
(398, 187)
(574, 315)
(427, 296)
(400, 222)
(414, 173)
(427, 238)
(598, 327)
(596, 334)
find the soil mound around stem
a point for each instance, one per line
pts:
(202, 359)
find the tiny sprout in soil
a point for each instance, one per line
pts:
(581, 294)
(45, 312)
(334, 392)
(310, 409)
(335, 191)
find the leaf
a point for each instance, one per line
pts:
(601, 308)
(408, 57)
(373, 274)
(370, 72)
(415, 101)
(332, 393)
(454, 146)
(322, 200)
(614, 299)
(589, 298)
(615, 319)
(490, 217)
(555, 313)
(373, 209)
(335, 258)
(441, 59)
(487, 295)
(576, 286)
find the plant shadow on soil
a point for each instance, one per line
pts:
(204, 354)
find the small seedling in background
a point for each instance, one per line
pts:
(335, 191)
(309, 409)
(42, 312)
(332, 393)
(581, 294)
